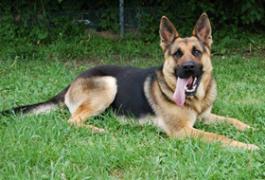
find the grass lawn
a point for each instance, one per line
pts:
(45, 147)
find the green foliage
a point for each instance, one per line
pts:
(148, 25)
(109, 20)
(41, 20)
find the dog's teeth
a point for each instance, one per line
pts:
(190, 90)
(194, 81)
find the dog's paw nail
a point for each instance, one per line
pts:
(98, 130)
(249, 128)
(252, 128)
(244, 127)
(252, 147)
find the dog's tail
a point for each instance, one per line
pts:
(37, 108)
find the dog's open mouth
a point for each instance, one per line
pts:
(185, 87)
(191, 86)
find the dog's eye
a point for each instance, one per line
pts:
(178, 53)
(196, 52)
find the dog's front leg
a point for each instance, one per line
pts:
(209, 118)
(212, 137)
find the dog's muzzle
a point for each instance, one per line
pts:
(192, 72)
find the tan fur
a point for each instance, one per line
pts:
(178, 121)
(88, 97)
(211, 137)
(210, 118)
(43, 109)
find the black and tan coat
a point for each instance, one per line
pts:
(174, 96)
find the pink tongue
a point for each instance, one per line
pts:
(179, 94)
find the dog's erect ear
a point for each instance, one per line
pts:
(168, 32)
(203, 30)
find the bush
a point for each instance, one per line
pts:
(46, 20)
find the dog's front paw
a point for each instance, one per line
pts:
(243, 127)
(97, 130)
(252, 147)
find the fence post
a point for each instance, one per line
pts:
(121, 10)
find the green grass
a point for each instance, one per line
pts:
(45, 147)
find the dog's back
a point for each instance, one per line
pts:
(130, 98)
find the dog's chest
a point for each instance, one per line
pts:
(168, 114)
(204, 99)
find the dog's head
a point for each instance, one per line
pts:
(187, 59)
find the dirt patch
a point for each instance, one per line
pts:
(117, 173)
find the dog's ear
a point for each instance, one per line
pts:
(167, 31)
(203, 30)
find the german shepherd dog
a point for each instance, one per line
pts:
(173, 96)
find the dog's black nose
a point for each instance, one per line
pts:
(189, 66)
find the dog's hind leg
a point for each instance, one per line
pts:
(213, 118)
(89, 97)
(79, 117)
